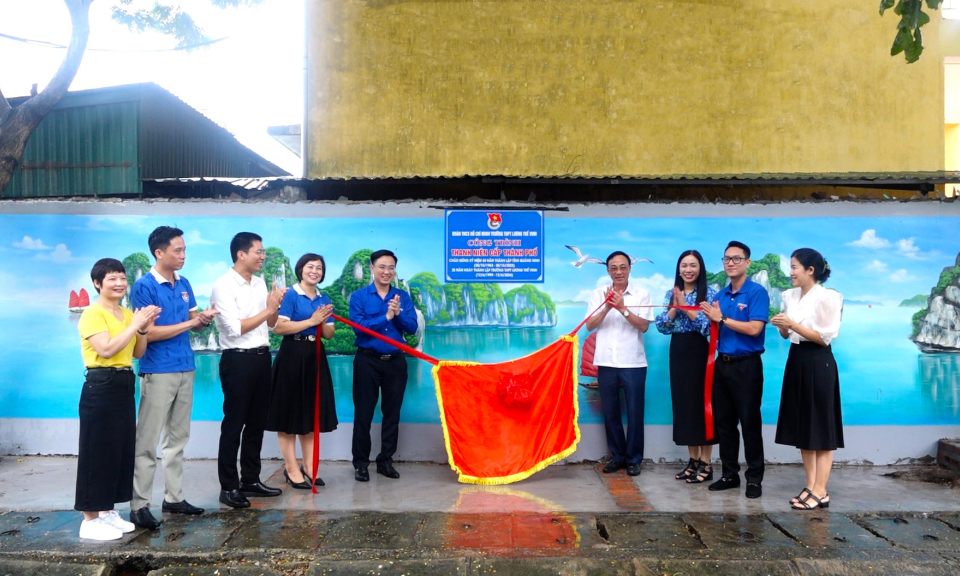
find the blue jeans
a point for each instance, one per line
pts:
(624, 447)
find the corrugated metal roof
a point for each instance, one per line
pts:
(105, 141)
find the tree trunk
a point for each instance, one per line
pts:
(17, 124)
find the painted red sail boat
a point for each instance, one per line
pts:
(586, 362)
(79, 301)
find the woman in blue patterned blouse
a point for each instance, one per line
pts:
(689, 347)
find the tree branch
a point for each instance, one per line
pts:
(43, 102)
(17, 124)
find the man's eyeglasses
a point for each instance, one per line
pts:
(734, 259)
(383, 268)
(258, 252)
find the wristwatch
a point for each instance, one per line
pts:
(626, 313)
(723, 320)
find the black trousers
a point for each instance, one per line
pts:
(370, 376)
(245, 379)
(108, 432)
(737, 392)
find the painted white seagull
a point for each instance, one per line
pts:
(581, 258)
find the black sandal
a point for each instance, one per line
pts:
(800, 497)
(689, 471)
(805, 503)
(702, 475)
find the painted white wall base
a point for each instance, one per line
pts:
(882, 445)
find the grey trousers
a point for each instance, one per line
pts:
(166, 401)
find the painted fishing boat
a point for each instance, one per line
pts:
(78, 301)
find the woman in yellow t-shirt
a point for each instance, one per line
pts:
(110, 337)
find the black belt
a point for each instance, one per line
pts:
(109, 368)
(375, 354)
(729, 358)
(299, 337)
(260, 350)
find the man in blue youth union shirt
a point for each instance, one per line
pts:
(379, 366)
(166, 377)
(742, 309)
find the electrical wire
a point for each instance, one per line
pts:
(45, 44)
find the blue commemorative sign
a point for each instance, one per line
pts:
(494, 246)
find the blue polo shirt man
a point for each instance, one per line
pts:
(166, 377)
(379, 366)
(742, 309)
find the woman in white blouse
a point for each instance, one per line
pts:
(810, 402)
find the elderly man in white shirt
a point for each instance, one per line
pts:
(621, 361)
(246, 315)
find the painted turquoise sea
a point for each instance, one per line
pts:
(884, 379)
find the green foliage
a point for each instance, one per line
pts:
(277, 266)
(918, 300)
(947, 277)
(916, 320)
(771, 263)
(169, 19)
(426, 283)
(454, 294)
(908, 39)
(535, 301)
(136, 265)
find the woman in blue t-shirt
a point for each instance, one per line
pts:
(299, 371)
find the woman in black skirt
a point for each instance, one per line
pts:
(298, 371)
(110, 337)
(689, 348)
(810, 402)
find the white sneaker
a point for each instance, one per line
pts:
(113, 518)
(98, 529)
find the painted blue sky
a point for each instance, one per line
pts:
(878, 259)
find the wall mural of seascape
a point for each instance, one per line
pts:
(898, 351)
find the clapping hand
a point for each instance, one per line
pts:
(275, 298)
(321, 314)
(393, 308)
(144, 317)
(678, 297)
(712, 311)
(782, 321)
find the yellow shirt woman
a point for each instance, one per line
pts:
(96, 319)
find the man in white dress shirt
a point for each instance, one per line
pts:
(246, 315)
(621, 361)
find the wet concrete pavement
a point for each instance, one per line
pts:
(569, 519)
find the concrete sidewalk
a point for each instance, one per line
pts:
(568, 519)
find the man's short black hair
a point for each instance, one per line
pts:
(740, 245)
(380, 254)
(615, 254)
(160, 238)
(103, 267)
(242, 242)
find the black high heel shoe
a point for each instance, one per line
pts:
(299, 485)
(702, 474)
(317, 482)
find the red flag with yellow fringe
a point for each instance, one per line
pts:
(504, 422)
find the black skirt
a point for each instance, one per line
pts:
(688, 367)
(810, 401)
(292, 402)
(108, 435)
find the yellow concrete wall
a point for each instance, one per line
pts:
(951, 147)
(615, 88)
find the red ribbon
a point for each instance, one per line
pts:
(316, 416)
(409, 350)
(711, 358)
